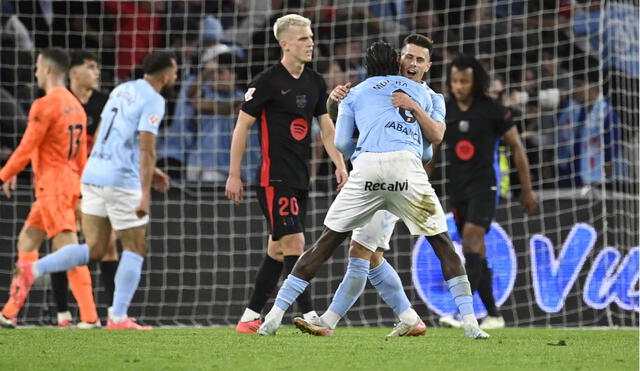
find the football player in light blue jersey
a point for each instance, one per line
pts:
(367, 106)
(116, 186)
(375, 235)
(133, 107)
(385, 176)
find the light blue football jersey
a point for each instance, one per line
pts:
(381, 126)
(132, 107)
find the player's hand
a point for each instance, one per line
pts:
(341, 177)
(340, 92)
(234, 189)
(142, 209)
(528, 201)
(9, 186)
(402, 100)
(160, 181)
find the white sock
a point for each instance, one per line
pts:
(470, 319)
(331, 319)
(309, 315)
(409, 316)
(249, 315)
(117, 319)
(274, 315)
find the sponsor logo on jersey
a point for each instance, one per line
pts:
(249, 94)
(383, 186)
(299, 128)
(465, 150)
(284, 92)
(403, 128)
(301, 101)
(154, 120)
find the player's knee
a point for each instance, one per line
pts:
(292, 244)
(376, 259)
(472, 242)
(359, 251)
(96, 253)
(139, 249)
(111, 254)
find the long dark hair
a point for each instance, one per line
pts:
(381, 59)
(480, 76)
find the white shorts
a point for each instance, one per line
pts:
(116, 204)
(393, 181)
(377, 233)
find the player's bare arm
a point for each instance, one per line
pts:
(160, 181)
(431, 165)
(431, 129)
(147, 169)
(528, 198)
(234, 188)
(337, 94)
(327, 134)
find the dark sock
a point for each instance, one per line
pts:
(305, 304)
(485, 289)
(60, 288)
(266, 282)
(108, 271)
(473, 265)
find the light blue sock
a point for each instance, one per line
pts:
(291, 288)
(386, 280)
(66, 258)
(460, 289)
(126, 280)
(351, 286)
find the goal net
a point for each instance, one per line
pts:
(568, 70)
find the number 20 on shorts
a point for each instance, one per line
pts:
(288, 206)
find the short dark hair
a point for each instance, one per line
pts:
(480, 76)
(157, 61)
(419, 40)
(77, 58)
(225, 60)
(58, 57)
(381, 59)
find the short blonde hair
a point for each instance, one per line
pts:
(285, 22)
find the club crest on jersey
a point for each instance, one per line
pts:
(249, 94)
(463, 126)
(301, 101)
(154, 120)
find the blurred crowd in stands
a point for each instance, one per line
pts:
(568, 69)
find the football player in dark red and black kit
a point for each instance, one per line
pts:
(475, 124)
(283, 101)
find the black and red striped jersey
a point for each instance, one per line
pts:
(284, 108)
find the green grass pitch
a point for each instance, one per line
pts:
(351, 348)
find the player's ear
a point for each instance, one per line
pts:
(283, 43)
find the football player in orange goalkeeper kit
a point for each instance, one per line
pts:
(55, 142)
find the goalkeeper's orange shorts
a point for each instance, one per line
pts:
(53, 213)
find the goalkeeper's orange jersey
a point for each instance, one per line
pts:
(55, 142)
